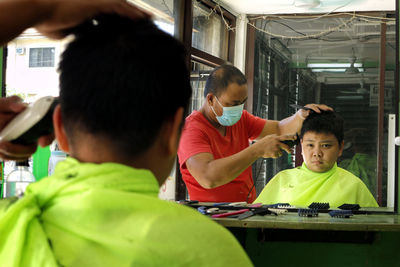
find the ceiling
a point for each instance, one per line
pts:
(358, 41)
(355, 39)
(299, 6)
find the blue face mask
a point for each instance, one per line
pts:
(230, 115)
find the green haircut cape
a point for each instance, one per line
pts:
(301, 186)
(108, 215)
(363, 166)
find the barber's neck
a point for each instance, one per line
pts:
(210, 116)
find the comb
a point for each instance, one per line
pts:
(349, 207)
(319, 206)
(341, 213)
(308, 212)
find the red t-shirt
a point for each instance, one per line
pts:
(200, 136)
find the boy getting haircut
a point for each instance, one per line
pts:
(124, 89)
(319, 179)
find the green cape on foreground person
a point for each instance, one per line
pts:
(108, 215)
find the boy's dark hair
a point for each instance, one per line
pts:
(121, 79)
(221, 77)
(328, 122)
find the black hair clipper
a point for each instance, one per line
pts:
(35, 121)
(292, 143)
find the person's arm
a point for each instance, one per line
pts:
(52, 17)
(211, 173)
(292, 124)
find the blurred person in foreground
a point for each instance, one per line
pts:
(124, 88)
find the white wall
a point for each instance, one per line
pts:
(34, 82)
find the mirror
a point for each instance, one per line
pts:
(344, 60)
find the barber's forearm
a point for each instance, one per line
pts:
(291, 124)
(222, 171)
(18, 15)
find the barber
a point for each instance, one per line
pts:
(214, 154)
(52, 19)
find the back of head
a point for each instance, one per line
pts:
(327, 122)
(121, 79)
(221, 77)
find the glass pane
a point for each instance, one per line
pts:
(162, 10)
(198, 77)
(339, 68)
(209, 31)
(41, 57)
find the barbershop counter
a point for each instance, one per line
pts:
(291, 240)
(364, 219)
(291, 220)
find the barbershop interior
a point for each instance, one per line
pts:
(340, 53)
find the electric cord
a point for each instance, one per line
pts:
(256, 178)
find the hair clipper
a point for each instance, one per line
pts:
(292, 143)
(33, 122)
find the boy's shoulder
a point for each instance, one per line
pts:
(288, 172)
(343, 173)
(185, 229)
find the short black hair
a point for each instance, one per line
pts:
(121, 79)
(221, 77)
(328, 122)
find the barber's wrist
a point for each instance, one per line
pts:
(257, 151)
(300, 115)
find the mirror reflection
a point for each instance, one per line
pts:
(345, 61)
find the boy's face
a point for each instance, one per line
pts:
(320, 151)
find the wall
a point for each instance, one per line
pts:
(41, 162)
(398, 153)
(28, 81)
(382, 251)
(1, 69)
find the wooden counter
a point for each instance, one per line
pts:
(374, 222)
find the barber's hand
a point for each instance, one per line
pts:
(271, 146)
(64, 14)
(9, 108)
(315, 107)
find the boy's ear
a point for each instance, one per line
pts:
(175, 131)
(59, 130)
(341, 146)
(301, 146)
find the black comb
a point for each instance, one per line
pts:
(349, 207)
(319, 206)
(308, 212)
(341, 213)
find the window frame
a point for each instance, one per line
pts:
(183, 32)
(42, 49)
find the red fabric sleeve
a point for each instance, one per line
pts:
(193, 141)
(254, 125)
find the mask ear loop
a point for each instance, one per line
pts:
(219, 102)
(214, 109)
